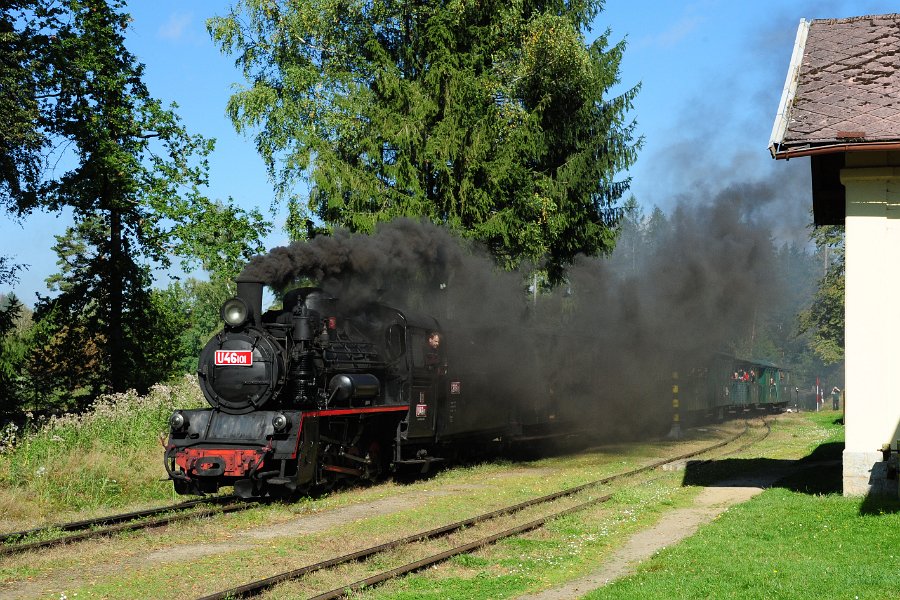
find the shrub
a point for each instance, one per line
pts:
(109, 455)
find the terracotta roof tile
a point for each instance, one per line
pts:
(848, 81)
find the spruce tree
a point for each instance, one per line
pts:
(490, 117)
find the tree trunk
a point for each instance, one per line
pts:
(116, 345)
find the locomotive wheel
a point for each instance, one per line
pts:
(375, 469)
(282, 493)
(328, 478)
(184, 488)
(331, 480)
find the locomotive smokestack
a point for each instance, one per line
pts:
(250, 290)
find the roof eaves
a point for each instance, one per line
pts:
(782, 118)
(813, 150)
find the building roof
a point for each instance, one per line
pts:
(842, 91)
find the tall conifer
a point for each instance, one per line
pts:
(91, 140)
(491, 117)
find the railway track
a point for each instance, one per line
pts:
(19, 541)
(767, 430)
(257, 587)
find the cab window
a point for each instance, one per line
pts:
(419, 341)
(396, 341)
(426, 348)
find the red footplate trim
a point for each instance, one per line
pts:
(206, 461)
(331, 412)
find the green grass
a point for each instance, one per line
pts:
(109, 456)
(800, 539)
(783, 544)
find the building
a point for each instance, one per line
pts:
(841, 108)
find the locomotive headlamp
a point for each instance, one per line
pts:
(280, 422)
(177, 421)
(235, 312)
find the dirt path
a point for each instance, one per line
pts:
(671, 529)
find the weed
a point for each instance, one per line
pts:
(106, 456)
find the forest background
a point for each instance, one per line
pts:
(508, 124)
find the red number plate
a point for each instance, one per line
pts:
(234, 358)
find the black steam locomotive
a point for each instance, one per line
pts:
(312, 394)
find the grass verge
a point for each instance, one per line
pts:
(107, 457)
(800, 539)
(783, 544)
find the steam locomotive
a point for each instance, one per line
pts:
(313, 394)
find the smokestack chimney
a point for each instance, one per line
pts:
(250, 290)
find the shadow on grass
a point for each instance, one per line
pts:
(819, 473)
(879, 505)
(812, 478)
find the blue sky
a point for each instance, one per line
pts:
(711, 73)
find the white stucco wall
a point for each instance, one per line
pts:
(872, 304)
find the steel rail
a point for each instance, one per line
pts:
(436, 558)
(768, 428)
(256, 587)
(119, 525)
(13, 536)
(468, 547)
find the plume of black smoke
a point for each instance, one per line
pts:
(405, 262)
(602, 347)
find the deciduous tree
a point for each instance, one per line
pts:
(21, 140)
(825, 318)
